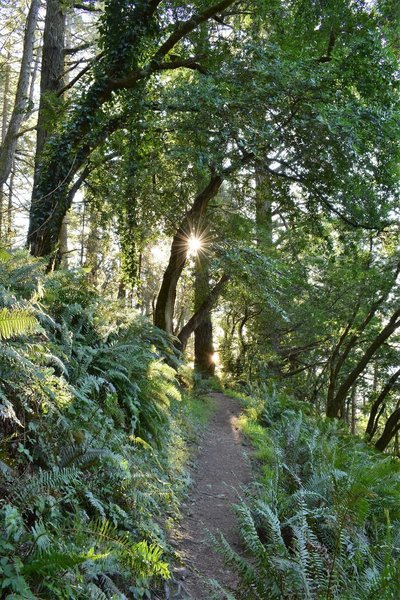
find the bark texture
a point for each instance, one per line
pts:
(51, 82)
(198, 317)
(52, 73)
(8, 147)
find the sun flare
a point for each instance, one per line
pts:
(194, 245)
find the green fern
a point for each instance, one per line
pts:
(96, 593)
(51, 563)
(16, 322)
(319, 529)
(72, 404)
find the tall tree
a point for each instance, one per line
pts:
(4, 122)
(164, 312)
(18, 114)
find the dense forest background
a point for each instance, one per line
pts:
(209, 182)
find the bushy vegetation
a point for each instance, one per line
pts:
(91, 451)
(324, 519)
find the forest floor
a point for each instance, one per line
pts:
(222, 470)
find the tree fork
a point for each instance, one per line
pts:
(391, 429)
(199, 316)
(164, 312)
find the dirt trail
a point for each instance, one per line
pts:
(222, 470)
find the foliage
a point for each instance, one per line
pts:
(16, 322)
(324, 522)
(89, 442)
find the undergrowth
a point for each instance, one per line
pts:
(92, 455)
(323, 522)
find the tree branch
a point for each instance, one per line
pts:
(155, 64)
(334, 409)
(80, 74)
(373, 416)
(202, 312)
(69, 51)
(88, 8)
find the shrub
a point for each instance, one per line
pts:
(324, 523)
(87, 427)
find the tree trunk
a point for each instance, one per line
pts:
(9, 232)
(379, 405)
(6, 100)
(353, 409)
(51, 82)
(164, 313)
(8, 147)
(201, 313)
(83, 233)
(204, 348)
(203, 334)
(32, 86)
(93, 247)
(335, 409)
(4, 122)
(346, 344)
(63, 248)
(52, 72)
(391, 428)
(121, 294)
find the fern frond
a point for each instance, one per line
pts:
(232, 558)
(96, 593)
(52, 563)
(270, 520)
(110, 588)
(95, 502)
(41, 481)
(249, 532)
(15, 322)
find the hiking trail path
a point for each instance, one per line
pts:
(221, 472)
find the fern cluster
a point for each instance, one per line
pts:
(87, 434)
(324, 521)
